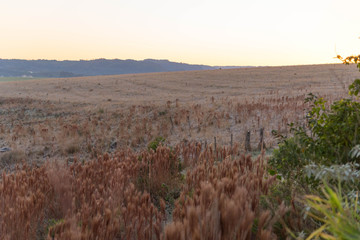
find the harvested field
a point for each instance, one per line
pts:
(188, 87)
(155, 156)
(83, 117)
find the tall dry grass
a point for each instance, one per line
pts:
(93, 200)
(24, 198)
(122, 197)
(54, 130)
(222, 201)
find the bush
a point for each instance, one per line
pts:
(288, 158)
(325, 149)
(335, 130)
(330, 135)
(155, 143)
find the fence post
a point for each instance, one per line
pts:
(188, 119)
(231, 144)
(172, 124)
(261, 145)
(215, 143)
(247, 142)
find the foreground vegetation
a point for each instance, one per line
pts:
(307, 189)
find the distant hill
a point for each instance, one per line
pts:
(59, 69)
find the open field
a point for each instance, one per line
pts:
(188, 87)
(83, 117)
(94, 171)
(10, 79)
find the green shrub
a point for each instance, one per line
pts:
(287, 158)
(330, 135)
(51, 223)
(325, 146)
(335, 130)
(155, 143)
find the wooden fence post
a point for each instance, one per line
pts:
(172, 125)
(215, 143)
(188, 119)
(247, 142)
(231, 144)
(261, 145)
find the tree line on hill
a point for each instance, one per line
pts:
(60, 69)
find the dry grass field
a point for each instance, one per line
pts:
(86, 116)
(188, 87)
(94, 171)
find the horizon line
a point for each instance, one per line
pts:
(140, 60)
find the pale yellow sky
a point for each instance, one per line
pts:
(227, 32)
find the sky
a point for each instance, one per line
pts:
(227, 32)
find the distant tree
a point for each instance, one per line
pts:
(354, 88)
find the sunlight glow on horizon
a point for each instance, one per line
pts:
(230, 32)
